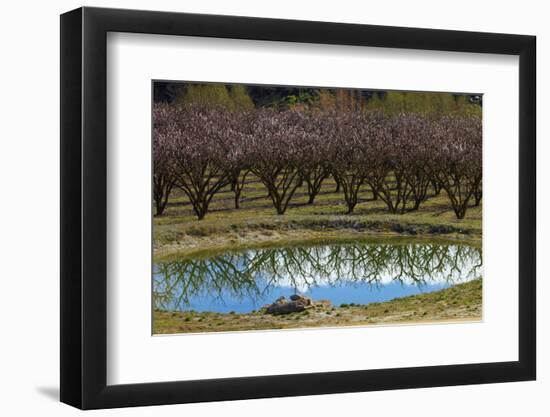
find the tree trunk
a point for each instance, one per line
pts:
(162, 187)
(351, 207)
(436, 186)
(477, 198)
(202, 209)
(159, 208)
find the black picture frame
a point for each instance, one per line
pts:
(84, 207)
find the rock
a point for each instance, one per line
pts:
(296, 297)
(441, 229)
(279, 302)
(296, 304)
(301, 299)
(285, 308)
(396, 227)
(323, 303)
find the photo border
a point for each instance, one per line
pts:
(265, 85)
(84, 207)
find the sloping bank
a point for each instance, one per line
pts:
(194, 240)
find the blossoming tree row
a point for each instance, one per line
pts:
(402, 159)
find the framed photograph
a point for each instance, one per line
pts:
(257, 208)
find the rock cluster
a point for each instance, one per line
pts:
(296, 304)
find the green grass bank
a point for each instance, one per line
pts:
(178, 232)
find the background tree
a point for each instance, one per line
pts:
(205, 95)
(231, 97)
(426, 104)
(239, 98)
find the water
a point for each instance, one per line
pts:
(359, 273)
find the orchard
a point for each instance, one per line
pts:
(401, 159)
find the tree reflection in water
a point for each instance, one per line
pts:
(252, 274)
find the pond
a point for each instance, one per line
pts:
(343, 273)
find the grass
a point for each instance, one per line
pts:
(461, 302)
(178, 232)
